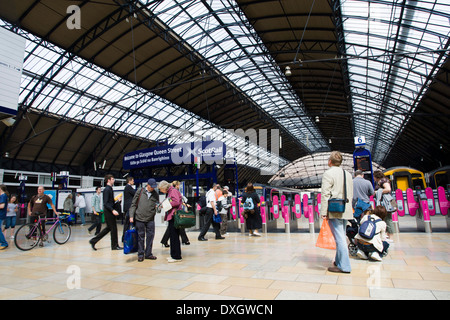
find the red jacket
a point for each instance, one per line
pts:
(176, 201)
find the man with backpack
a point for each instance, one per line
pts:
(211, 210)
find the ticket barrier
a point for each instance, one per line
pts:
(289, 216)
(418, 207)
(444, 203)
(233, 223)
(311, 214)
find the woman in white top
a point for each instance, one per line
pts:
(376, 247)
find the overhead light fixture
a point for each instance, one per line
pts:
(101, 111)
(317, 119)
(288, 71)
(329, 141)
(9, 121)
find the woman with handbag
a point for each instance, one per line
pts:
(184, 237)
(337, 189)
(382, 187)
(176, 202)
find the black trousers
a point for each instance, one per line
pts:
(208, 220)
(166, 236)
(111, 226)
(126, 224)
(174, 235)
(97, 223)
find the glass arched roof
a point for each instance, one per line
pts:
(308, 170)
(85, 93)
(394, 50)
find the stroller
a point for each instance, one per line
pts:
(352, 231)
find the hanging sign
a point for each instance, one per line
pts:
(209, 152)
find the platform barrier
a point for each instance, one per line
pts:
(444, 203)
(233, 223)
(418, 207)
(297, 208)
(289, 216)
(309, 212)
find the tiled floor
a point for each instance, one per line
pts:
(275, 266)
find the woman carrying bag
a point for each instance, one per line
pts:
(176, 202)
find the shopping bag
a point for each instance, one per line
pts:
(130, 241)
(217, 218)
(325, 239)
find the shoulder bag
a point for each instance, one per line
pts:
(336, 205)
(184, 219)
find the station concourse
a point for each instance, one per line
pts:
(225, 93)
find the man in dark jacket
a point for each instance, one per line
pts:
(142, 214)
(110, 216)
(128, 193)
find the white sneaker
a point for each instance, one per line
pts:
(171, 260)
(361, 255)
(375, 256)
(256, 234)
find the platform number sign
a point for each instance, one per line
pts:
(360, 141)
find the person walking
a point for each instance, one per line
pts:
(96, 212)
(142, 213)
(11, 215)
(128, 193)
(211, 210)
(176, 201)
(110, 216)
(333, 188)
(3, 211)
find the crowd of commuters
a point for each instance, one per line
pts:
(140, 207)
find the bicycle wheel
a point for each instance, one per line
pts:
(27, 237)
(61, 233)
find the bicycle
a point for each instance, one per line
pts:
(30, 234)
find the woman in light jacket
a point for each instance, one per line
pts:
(333, 187)
(176, 201)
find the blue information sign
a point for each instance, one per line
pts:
(210, 152)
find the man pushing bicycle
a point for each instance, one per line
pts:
(37, 207)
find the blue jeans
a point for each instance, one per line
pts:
(81, 212)
(342, 258)
(3, 242)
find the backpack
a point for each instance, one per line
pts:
(219, 205)
(248, 204)
(202, 201)
(368, 228)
